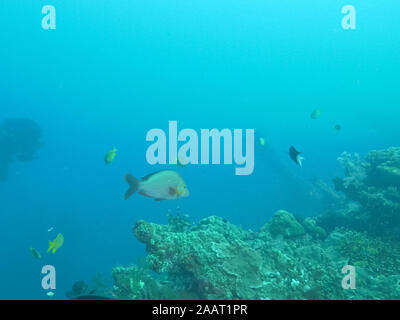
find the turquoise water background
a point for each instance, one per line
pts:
(112, 70)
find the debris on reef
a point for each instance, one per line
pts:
(20, 139)
(79, 288)
(326, 195)
(99, 290)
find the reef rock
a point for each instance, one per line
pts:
(373, 184)
(215, 259)
(284, 224)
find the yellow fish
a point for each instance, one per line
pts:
(56, 244)
(315, 114)
(110, 155)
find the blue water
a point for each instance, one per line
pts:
(112, 70)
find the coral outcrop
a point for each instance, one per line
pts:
(215, 259)
(284, 224)
(374, 187)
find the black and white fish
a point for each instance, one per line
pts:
(295, 156)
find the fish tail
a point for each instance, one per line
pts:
(133, 185)
(51, 246)
(300, 159)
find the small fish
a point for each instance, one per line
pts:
(50, 294)
(50, 229)
(337, 127)
(110, 155)
(295, 156)
(35, 253)
(315, 114)
(261, 141)
(161, 185)
(56, 244)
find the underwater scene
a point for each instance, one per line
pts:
(197, 150)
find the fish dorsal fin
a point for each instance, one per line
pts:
(147, 177)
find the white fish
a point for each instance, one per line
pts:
(161, 185)
(50, 294)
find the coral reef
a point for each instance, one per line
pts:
(286, 259)
(290, 257)
(373, 184)
(19, 140)
(138, 283)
